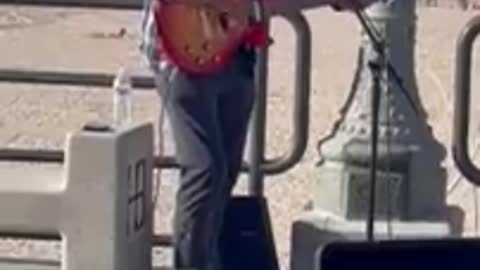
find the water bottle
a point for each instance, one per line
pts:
(122, 107)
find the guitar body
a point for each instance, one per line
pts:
(201, 36)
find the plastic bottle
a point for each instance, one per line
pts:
(122, 103)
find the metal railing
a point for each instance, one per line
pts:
(159, 240)
(258, 166)
(461, 119)
(273, 166)
(301, 107)
(97, 4)
(69, 78)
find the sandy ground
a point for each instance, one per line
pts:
(39, 116)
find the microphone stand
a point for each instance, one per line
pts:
(376, 66)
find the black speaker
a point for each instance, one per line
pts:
(438, 254)
(246, 241)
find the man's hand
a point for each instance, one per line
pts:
(341, 5)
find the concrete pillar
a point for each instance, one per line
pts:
(410, 194)
(100, 204)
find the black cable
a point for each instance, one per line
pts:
(376, 67)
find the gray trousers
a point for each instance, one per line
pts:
(209, 117)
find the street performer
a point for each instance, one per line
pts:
(209, 115)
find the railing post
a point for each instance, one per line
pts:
(301, 103)
(259, 166)
(461, 118)
(257, 150)
(106, 4)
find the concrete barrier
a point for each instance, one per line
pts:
(100, 204)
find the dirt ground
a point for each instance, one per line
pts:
(38, 116)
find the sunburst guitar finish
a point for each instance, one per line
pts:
(201, 36)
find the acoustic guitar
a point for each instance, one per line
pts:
(201, 36)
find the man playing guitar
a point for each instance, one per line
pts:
(209, 114)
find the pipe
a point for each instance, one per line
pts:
(258, 124)
(301, 115)
(159, 240)
(91, 4)
(461, 118)
(69, 78)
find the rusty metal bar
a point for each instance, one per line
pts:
(69, 78)
(58, 156)
(301, 109)
(260, 165)
(97, 4)
(274, 7)
(29, 155)
(159, 240)
(461, 118)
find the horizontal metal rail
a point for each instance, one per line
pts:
(58, 157)
(272, 166)
(96, 4)
(274, 7)
(301, 104)
(159, 240)
(69, 78)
